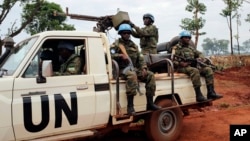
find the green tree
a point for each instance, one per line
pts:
(196, 23)
(208, 45)
(6, 6)
(214, 46)
(222, 46)
(45, 20)
(246, 45)
(248, 18)
(237, 36)
(230, 12)
(240, 48)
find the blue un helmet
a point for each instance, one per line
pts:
(150, 16)
(124, 27)
(66, 45)
(185, 33)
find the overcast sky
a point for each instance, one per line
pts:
(167, 13)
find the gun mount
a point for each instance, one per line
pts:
(104, 23)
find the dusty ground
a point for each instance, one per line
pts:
(233, 108)
(213, 123)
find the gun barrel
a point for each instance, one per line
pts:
(103, 24)
(84, 17)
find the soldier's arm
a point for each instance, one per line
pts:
(146, 32)
(197, 53)
(114, 51)
(135, 34)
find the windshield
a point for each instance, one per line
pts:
(16, 57)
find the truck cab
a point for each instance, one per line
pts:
(35, 104)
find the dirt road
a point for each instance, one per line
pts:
(233, 108)
(212, 124)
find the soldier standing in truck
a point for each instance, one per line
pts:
(148, 35)
(124, 50)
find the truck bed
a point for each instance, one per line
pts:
(159, 76)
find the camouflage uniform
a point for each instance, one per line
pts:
(193, 72)
(138, 63)
(71, 66)
(148, 38)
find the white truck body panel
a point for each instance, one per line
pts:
(6, 130)
(183, 86)
(55, 85)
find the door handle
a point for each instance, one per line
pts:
(83, 87)
(34, 93)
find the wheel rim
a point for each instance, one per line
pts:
(166, 121)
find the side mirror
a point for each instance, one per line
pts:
(45, 72)
(47, 69)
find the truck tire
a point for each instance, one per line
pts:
(165, 125)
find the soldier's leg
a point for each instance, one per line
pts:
(207, 72)
(194, 74)
(131, 85)
(150, 90)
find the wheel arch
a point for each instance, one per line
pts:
(168, 96)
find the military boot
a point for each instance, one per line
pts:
(211, 94)
(130, 106)
(199, 96)
(151, 105)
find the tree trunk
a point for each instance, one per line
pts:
(196, 29)
(230, 27)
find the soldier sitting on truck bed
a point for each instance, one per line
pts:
(125, 51)
(183, 53)
(71, 63)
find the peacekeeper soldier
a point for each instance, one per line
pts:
(148, 35)
(70, 61)
(183, 50)
(125, 51)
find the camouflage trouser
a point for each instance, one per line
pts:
(149, 51)
(132, 82)
(195, 74)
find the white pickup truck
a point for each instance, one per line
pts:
(36, 105)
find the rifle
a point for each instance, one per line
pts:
(194, 62)
(130, 66)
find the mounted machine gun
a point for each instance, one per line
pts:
(104, 23)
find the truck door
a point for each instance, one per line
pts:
(62, 104)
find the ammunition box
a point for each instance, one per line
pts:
(119, 18)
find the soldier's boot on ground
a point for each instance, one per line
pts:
(151, 105)
(199, 96)
(130, 106)
(211, 94)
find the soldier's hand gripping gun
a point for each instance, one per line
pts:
(194, 62)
